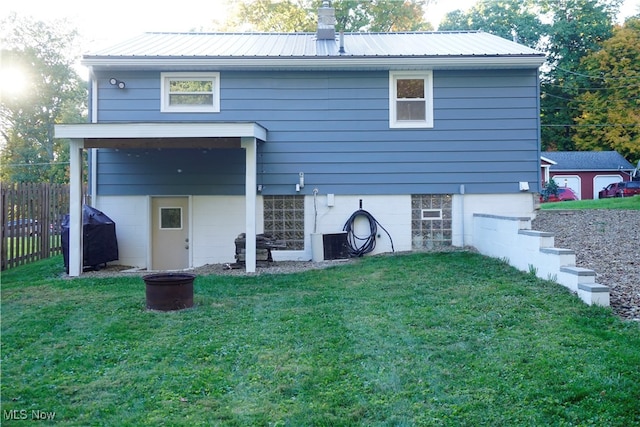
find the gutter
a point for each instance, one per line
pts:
(313, 63)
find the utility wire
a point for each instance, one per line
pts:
(601, 77)
(601, 125)
(589, 102)
(15, 165)
(635, 85)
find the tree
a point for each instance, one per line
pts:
(41, 56)
(380, 15)
(609, 106)
(266, 15)
(567, 30)
(510, 19)
(550, 189)
(578, 27)
(351, 15)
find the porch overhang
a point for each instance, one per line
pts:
(243, 135)
(160, 131)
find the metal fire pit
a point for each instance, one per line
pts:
(169, 291)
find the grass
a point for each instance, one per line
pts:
(450, 339)
(632, 203)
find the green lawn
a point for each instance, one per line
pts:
(632, 203)
(449, 339)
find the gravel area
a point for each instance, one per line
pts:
(114, 270)
(606, 241)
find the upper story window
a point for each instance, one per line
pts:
(190, 92)
(411, 99)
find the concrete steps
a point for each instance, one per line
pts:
(534, 251)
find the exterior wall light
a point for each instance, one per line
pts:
(116, 82)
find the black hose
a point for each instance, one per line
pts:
(358, 246)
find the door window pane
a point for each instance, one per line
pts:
(170, 218)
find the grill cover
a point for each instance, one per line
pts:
(98, 236)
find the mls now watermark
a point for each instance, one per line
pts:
(23, 414)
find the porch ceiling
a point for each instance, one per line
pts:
(209, 143)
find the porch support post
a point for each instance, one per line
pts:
(75, 207)
(249, 144)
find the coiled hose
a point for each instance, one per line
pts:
(358, 246)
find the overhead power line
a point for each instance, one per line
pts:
(601, 125)
(15, 165)
(635, 85)
(600, 77)
(589, 102)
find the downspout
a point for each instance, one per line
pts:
(462, 212)
(539, 124)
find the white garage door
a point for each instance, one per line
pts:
(571, 181)
(601, 181)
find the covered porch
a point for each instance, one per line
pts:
(244, 135)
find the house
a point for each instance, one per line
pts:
(586, 172)
(195, 138)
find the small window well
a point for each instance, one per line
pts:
(431, 214)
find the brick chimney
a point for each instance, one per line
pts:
(326, 22)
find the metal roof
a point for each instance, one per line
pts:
(587, 161)
(264, 48)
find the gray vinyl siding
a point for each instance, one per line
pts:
(334, 127)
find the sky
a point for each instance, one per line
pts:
(106, 23)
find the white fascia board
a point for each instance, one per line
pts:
(160, 130)
(551, 162)
(315, 63)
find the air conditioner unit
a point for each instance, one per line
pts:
(330, 246)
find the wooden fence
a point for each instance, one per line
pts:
(31, 221)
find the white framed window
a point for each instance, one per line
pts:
(411, 99)
(190, 92)
(431, 214)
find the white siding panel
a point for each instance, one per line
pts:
(217, 222)
(393, 212)
(130, 213)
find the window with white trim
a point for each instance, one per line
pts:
(190, 92)
(411, 99)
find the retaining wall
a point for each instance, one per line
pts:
(511, 239)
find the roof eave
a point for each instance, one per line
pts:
(161, 130)
(328, 63)
(548, 160)
(582, 169)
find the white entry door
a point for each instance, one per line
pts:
(170, 234)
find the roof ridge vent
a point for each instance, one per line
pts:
(326, 22)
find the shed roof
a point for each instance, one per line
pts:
(587, 161)
(263, 48)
